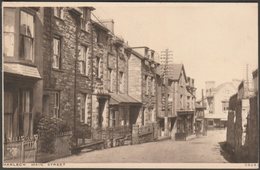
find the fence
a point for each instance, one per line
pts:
(21, 150)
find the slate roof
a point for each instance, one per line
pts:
(174, 71)
(122, 98)
(22, 70)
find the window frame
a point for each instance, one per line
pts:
(26, 36)
(121, 81)
(146, 84)
(56, 106)
(8, 32)
(60, 12)
(84, 60)
(56, 37)
(98, 67)
(84, 20)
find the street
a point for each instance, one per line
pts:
(202, 149)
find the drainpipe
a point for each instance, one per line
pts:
(92, 67)
(117, 71)
(75, 79)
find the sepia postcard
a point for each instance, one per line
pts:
(130, 85)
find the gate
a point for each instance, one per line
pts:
(21, 150)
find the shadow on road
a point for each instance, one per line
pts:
(223, 151)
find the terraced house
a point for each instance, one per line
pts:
(23, 70)
(62, 66)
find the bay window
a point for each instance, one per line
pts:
(26, 35)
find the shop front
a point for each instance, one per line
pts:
(185, 122)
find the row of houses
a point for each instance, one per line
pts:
(62, 63)
(242, 125)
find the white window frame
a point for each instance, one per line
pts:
(84, 109)
(26, 36)
(56, 107)
(56, 63)
(83, 60)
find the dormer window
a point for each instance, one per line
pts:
(85, 20)
(58, 12)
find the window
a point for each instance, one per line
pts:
(26, 35)
(146, 85)
(25, 115)
(84, 108)
(58, 12)
(56, 53)
(181, 102)
(225, 105)
(84, 20)
(8, 114)
(113, 118)
(56, 108)
(9, 31)
(110, 80)
(98, 67)
(153, 86)
(121, 81)
(83, 60)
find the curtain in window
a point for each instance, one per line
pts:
(26, 115)
(27, 34)
(8, 114)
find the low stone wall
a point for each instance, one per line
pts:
(143, 134)
(62, 148)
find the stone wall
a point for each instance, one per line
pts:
(143, 134)
(63, 80)
(253, 131)
(62, 148)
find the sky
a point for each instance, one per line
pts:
(214, 41)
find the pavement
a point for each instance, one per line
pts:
(202, 149)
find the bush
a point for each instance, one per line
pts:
(48, 129)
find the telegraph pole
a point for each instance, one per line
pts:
(165, 63)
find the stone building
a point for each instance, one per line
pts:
(23, 69)
(242, 131)
(69, 68)
(143, 83)
(181, 100)
(217, 102)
